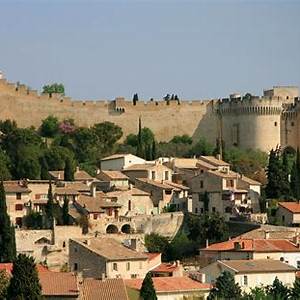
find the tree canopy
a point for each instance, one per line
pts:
(53, 88)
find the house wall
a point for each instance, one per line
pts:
(12, 201)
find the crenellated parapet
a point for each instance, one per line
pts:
(255, 105)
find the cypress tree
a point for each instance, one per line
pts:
(295, 291)
(295, 177)
(148, 152)
(273, 188)
(24, 283)
(278, 290)
(50, 207)
(139, 151)
(7, 231)
(65, 211)
(147, 291)
(44, 168)
(154, 154)
(206, 201)
(135, 99)
(69, 170)
(285, 184)
(225, 288)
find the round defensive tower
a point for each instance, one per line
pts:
(250, 122)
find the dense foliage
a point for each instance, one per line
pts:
(7, 231)
(54, 88)
(147, 291)
(24, 283)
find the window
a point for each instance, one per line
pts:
(245, 280)
(201, 184)
(275, 124)
(228, 209)
(127, 266)
(283, 218)
(201, 171)
(168, 192)
(75, 266)
(298, 264)
(292, 124)
(19, 196)
(196, 210)
(213, 209)
(115, 267)
(129, 205)
(64, 244)
(95, 216)
(75, 249)
(153, 175)
(166, 175)
(19, 207)
(202, 210)
(282, 259)
(133, 275)
(229, 183)
(19, 221)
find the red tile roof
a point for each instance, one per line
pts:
(109, 289)
(58, 284)
(255, 245)
(293, 207)
(165, 268)
(170, 284)
(8, 268)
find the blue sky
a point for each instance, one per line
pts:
(196, 49)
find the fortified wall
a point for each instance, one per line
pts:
(246, 122)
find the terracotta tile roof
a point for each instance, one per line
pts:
(58, 284)
(249, 180)
(229, 174)
(111, 249)
(214, 161)
(78, 175)
(111, 175)
(184, 163)
(8, 268)
(97, 204)
(165, 268)
(258, 266)
(202, 163)
(155, 183)
(78, 186)
(109, 289)
(170, 284)
(255, 245)
(177, 185)
(65, 191)
(15, 187)
(140, 167)
(134, 192)
(293, 207)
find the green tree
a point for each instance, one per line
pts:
(135, 99)
(4, 165)
(7, 231)
(225, 288)
(49, 210)
(295, 290)
(202, 147)
(49, 127)
(156, 243)
(273, 188)
(205, 200)
(295, 177)
(65, 211)
(69, 170)
(257, 293)
(278, 290)
(147, 291)
(4, 282)
(34, 220)
(44, 168)
(154, 153)
(139, 149)
(131, 140)
(54, 88)
(182, 139)
(24, 283)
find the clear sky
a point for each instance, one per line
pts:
(196, 49)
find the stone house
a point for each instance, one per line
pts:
(17, 200)
(117, 162)
(288, 213)
(152, 171)
(106, 257)
(251, 273)
(163, 193)
(175, 288)
(134, 201)
(115, 179)
(79, 176)
(247, 248)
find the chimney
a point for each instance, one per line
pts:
(218, 156)
(207, 243)
(237, 246)
(177, 263)
(103, 277)
(267, 235)
(93, 190)
(77, 169)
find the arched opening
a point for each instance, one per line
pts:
(126, 228)
(112, 229)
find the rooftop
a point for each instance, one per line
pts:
(120, 155)
(111, 175)
(111, 249)
(293, 207)
(57, 284)
(15, 187)
(165, 268)
(170, 284)
(257, 266)
(78, 175)
(255, 245)
(214, 161)
(108, 289)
